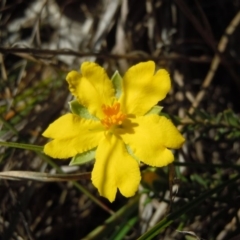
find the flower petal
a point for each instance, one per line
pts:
(142, 89)
(91, 87)
(150, 138)
(71, 135)
(115, 168)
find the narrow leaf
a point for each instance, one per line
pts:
(80, 110)
(83, 157)
(22, 146)
(155, 110)
(117, 83)
(102, 231)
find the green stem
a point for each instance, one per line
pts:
(102, 231)
(22, 146)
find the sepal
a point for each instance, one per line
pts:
(117, 83)
(83, 158)
(80, 110)
(155, 110)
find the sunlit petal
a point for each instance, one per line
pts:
(142, 89)
(91, 87)
(150, 139)
(115, 168)
(72, 135)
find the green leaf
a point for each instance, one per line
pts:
(122, 229)
(200, 180)
(80, 110)
(155, 110)
(234, 135)
(231, 118)
(2, 132)
(83, 158)
(202, 114)
(117, 83)
(103, 231)
(165, 115)
(219, 118)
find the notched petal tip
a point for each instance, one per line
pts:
(163, 157)
(92, 87)
(151, 139)
(143, 88)
(73, 78)
(164, 81)
(181, 140)
(129, 179)
(115, 169)
(105, 184)
(171, 135)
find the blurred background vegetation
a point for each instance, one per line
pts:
(197, 41)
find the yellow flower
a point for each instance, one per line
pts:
(123, 128)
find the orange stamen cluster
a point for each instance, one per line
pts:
(113, 115)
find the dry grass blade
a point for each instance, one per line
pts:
(43, 177)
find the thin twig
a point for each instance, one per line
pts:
(135, 55)
(207, 38)
(216, 61)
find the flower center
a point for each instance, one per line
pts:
(113, 115)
